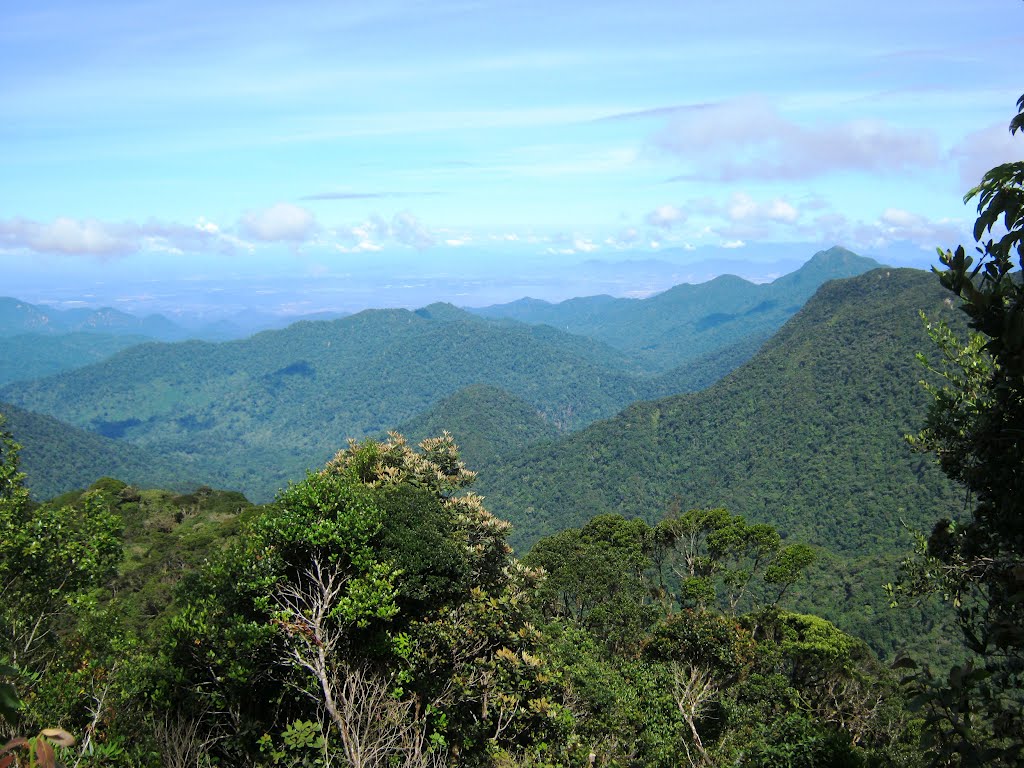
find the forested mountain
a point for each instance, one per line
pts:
(375, 609)
(58, 457)
(20, 317)
(689, 321)
(258, 412)
(807, 436)
(33, 356)
(284, 400)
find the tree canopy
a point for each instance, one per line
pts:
(976, 428)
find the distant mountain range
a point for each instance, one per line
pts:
(19, 317)
(253, 414)
(22, 318)
(688, 321)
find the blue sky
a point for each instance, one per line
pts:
(330, 155)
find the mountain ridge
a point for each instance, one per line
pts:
(688, 320)
(826, 401)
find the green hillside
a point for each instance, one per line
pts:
(58, 457)
(256, 413)
(259, 411)
(807, 436)
(485, 421)
(33, 356)
(689, 321)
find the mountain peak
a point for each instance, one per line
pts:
(837, 256)
(832, 264)
(444, 312)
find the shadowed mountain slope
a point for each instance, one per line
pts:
(808, 435)
(486, 422)
(57, 457)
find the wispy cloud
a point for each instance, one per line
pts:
(750, 140)
(346, 196)
(672, 111)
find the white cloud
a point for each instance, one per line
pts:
(64, 235)
(666, 216)
(408, 230)
(733, 244)
(89, 237)
(749, 139)
(626, 238)
(743, 207)
(207, 226)
(982, 150)
(893, 225)
(280, 222)
(373, 233)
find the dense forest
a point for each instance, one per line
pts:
(375, 614)
(284, 400)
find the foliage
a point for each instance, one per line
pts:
(374, 615)
(709, 684)
(39, 749)
(596, 575)
(380, 598)
(975, 428)
(49, 557)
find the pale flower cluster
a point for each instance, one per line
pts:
(394, 461)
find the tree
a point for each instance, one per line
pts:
(976, 428)
(379, 600)
(50, 558)
(596, 575)
(717, 557)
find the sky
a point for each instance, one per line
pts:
(308, 156)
